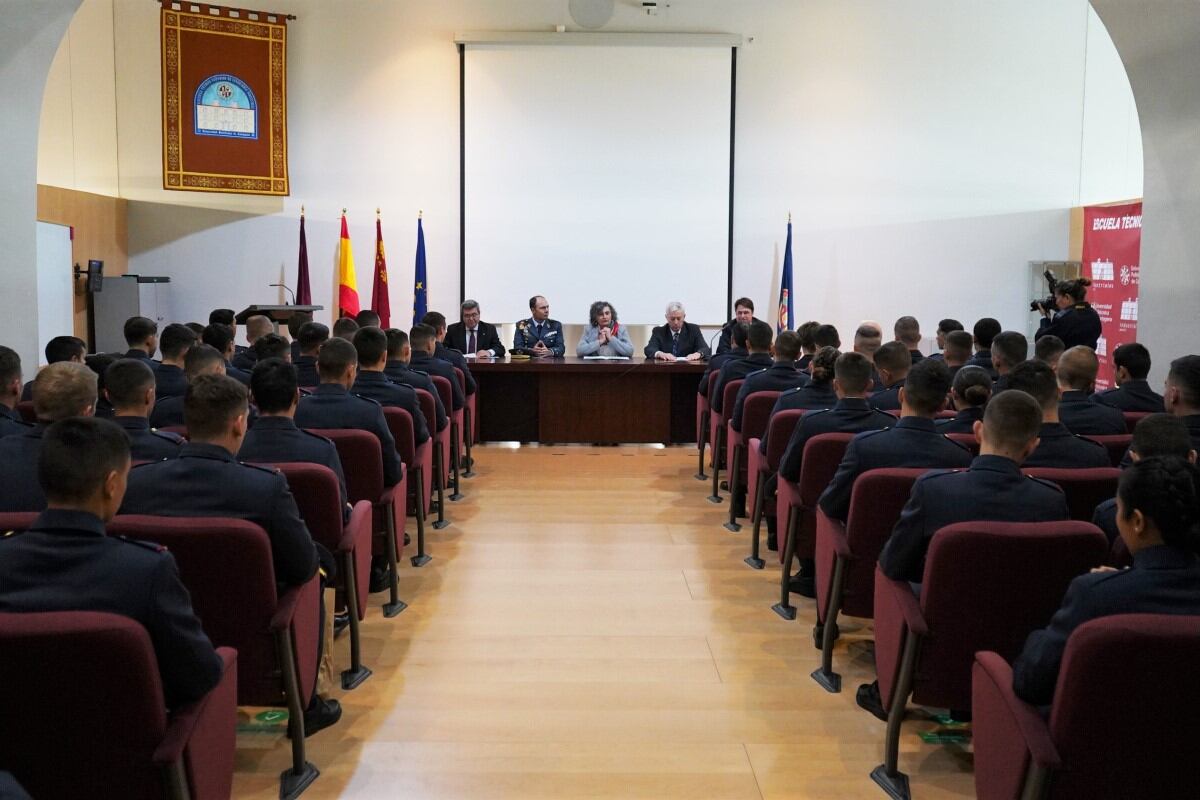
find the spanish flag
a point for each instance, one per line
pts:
(347, 285)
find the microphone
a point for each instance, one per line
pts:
(713, 337)
(289, 291)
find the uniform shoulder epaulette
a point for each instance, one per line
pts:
(261, 467)
(158, 548)
(316, 436)
(369, 400)
(1046, 482)
(9, 534)
(141, 464)
(170, 436)
(814, 413)
(1089, 441)
(756, 372)
(867, 434)
(953, 442)
(939, 473)
(793, 390)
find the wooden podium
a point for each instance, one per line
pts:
(276, 314)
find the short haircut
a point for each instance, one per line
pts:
(675, 307)
(344, 328)
(367, 319)
(1161, 435)
(420, 336)
(10, 365)
(1185, 375)
(211, 403)
(787, 346)
(743, 302)
(868, 330)
(202, 359)
(1012, 420)
(947, 325)
(984, 331)
(62, 390)
(1135, 358)
(826, 336)
(1078, 367)
(760, 335)
(126, 381)
(336, 356)
(371, 343)
(740, 335)
(138, 330)
(77, 455)
(533, 301)
(894, 357)
(469, 305)
(258, 325)
(1011, 346)
(908, 330)
(1037, 380)
(311, 336)
(868, 339)
(824, 364)
(1048, 348)
(396, 339)
(175, 340)
(274, 383)
(973, 385)
(806, 332)
(437, 320)
(1167, 492)
(296, 321)
(196, 328)
(218, 335)
(271, 345)
(99, 364)
(958, 345)
(853, 371)
(927, 385)
(221, 316)
(64, 348)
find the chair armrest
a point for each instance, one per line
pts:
(757, 461)
(288, 603)
(900, 594)
(186, 720)
(358, 530)
(1008, 732)
(833, 531)
(732, 437)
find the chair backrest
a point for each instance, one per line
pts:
(1124, 716)
(362, 462)
(16, 520)
(445, 392)
(967, 440)
(712, 382)
(25, 409)
(1116, 443)
(822, 454)
(729, 393)
(461, 378)
(315, 487)
(1132, 418)
(429, 410)
(179, 430)
(400, 424)
(756, 413)
(83, 706)
(878, 497)
(987, 586)
(947, 413)
(779, 433)
(1084, 488)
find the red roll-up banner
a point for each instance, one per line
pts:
(1112, 244)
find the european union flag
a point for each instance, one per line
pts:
(420, 292)
(785, 286)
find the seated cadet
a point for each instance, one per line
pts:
(826, 335)
(312, 336)
(779, 377)
(808, 343)
(944, 327)
(371, 382)
(1158, 513)
(224, 316)
(272, 345)
(200, 360)
(741, 334)
(169, 379)
(1131, 363)
(332, 406)
(366, 318)
(912, 442)
(758, 345)
(984, 332)
(868, 338)
(819, 393)
(257, 326)
(398, 354)
(1009, 348)
(743, 314)
(1158, 435)
(99, 364)
(61, 390)
(294, 323)
(437, 321)
(10, 393)
(958, 351)
(678, 340)
(1182, 394)
(141, 335)
(892, 363)
(539, 335)
(1077, 370)
(908, 331)
(1049, 349)
(345, 328)
(472, 337)
(65, 562)
(60, 348)
(970, 392)
(129, 387)
(603, 335)
(220, 338)
(422, 341)
(1058, 447)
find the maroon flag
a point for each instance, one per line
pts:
(380, 303)
(303, 290)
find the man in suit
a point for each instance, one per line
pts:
(372, 383)
(1057, 445)
(437, 321)
(984, 332)
(60, 348)
(1132, 393)
(141, 334)
(472, 337)
(201, 359)
(539, 335)
(1077, 370)
(758, 345)
(10, 393)
(907, 330)
(220, 337)
(66, 562)
(892, 364)
(169, 378)
(1182, 394)
(1009, 348)
(257, 326)
(399, 353)
(678, 340)
(312, 336)
(129, 387)
(743, 314)
(779, 377)
(423, 342)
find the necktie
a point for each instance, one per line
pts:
(675, 343)
(471, 343)
(538, 330)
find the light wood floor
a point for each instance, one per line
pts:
(588, 629)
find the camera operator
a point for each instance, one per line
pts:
(1072, 319)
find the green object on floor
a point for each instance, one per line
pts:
(959, 734)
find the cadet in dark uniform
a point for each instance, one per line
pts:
(911, 442)
(312, 336)
(808, 343)
(892, 363)
(1073, 320)
(1009, 348)
(539, 335)
(422, 341)
(333, 406)
(958, 351)
(945, 326)
(1077, 369)
(60, 348)
(220, 338)
(437, 321)
(225, 316)
(129, 386)
(201, 359)
(970, 392)
(397, 371)
(99, 363)
(61, 390)
(372, 383)
(141, 335)
(984, 332)
(819, 393)
(743, 314)
(169, 378)
(1182, 394)
(758, 343)
(1158, 503)
(1057, 447)
(1049, 349)
(741, 333)
(1133, 393)
(779, 377)
(907, 330)
(65, 562)
(10, 393)
(272, 345)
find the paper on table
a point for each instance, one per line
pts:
(606, 358)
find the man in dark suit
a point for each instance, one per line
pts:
(372, 383)
(743, 314)
(312, 336)
(423, 341)
(1132, 393)
(169, 378)
(65, 562)
(201, 359)
(10, 393)
(907, 330)
(1077, 368)
(892, 364)
(539, 335)
(758, 345)
(1057, 445)
(129, 387)
(678, 340)
(741, 335)
(141, 334)
(60, 348)
(1009, 348)
(220, 337)
(437, 321)
(399, 352)
(984, 332)
(472, 337)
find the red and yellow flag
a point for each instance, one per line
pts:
(347, 284)
(381, 304)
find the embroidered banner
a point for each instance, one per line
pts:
(224, 90)
(1112, 243)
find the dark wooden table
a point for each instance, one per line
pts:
(566, 400)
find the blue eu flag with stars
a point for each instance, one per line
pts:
(420, 290)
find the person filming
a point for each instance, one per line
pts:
(1073, 319)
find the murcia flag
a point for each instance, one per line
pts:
(380, 303)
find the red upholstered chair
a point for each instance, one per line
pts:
(179, 430)
(762, 466)
(948, 413)
(453, 433)
(227, 569)
(418, 465)
(1116, 444)
(756, 412)
(439, 445)
(25, 409)
(469, 424)
(1085, 488)
(796, 507)
(84, 716)
(16, 520)
(986, 586)
(720, 428)
(315, 488)
(704, 433)
(363, 466)
(1123, 722)
(967, 440)
(1132, 418)
(847, 553)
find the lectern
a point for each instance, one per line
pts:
(276, 314)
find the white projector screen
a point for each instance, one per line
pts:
(597, 173)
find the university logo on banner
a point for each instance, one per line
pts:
(1112, 241)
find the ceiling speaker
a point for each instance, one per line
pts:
(591, 14)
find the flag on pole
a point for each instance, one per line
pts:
(380, 302)
(347, 284)
(420, 292)
(785, 285)
(303, 290)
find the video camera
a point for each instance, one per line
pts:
(1048, 301)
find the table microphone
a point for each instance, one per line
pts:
(289, 291)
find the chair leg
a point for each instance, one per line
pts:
(293, 782)
(759, 493)
(357, 673)
(830, 680)
(175, 776)
(455, 439)
(468, 440)
(394, 605)
(735, 485)
(784, 607)
(718, 449)
(421, 558)
(888, 775)
(700, 476)
(440, 471)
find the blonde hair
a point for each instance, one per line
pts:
(61, 390)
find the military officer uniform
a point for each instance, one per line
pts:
(169, 381)
(1000, 384)
(1105, 518)
(1086, 418)
(549, 332)
(239, 375)
(779, 377)
(850, 415)
(146, 443)
(331, 406)
(398, 372)
(736, 369)
(377, 387)
(1061, 449)
(456, 359)
(813, 397)
(887, 398)
(66, 562)
(983, 358)
(431, 365)
(277, 440)
(962, 422)
(911, 442)
(916, 355)
(19, 486)
(716, 362)
(168, 413)
(306, 371)
(11, 422)
(142, 355)
(245, 358)
(1133, 395)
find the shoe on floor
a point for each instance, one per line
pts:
(341, 621)
(380, 578)
(772, 544)
(868, 699)
(319, 715)
(407, 541)
(803, 585)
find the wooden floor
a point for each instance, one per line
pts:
(588, 629)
